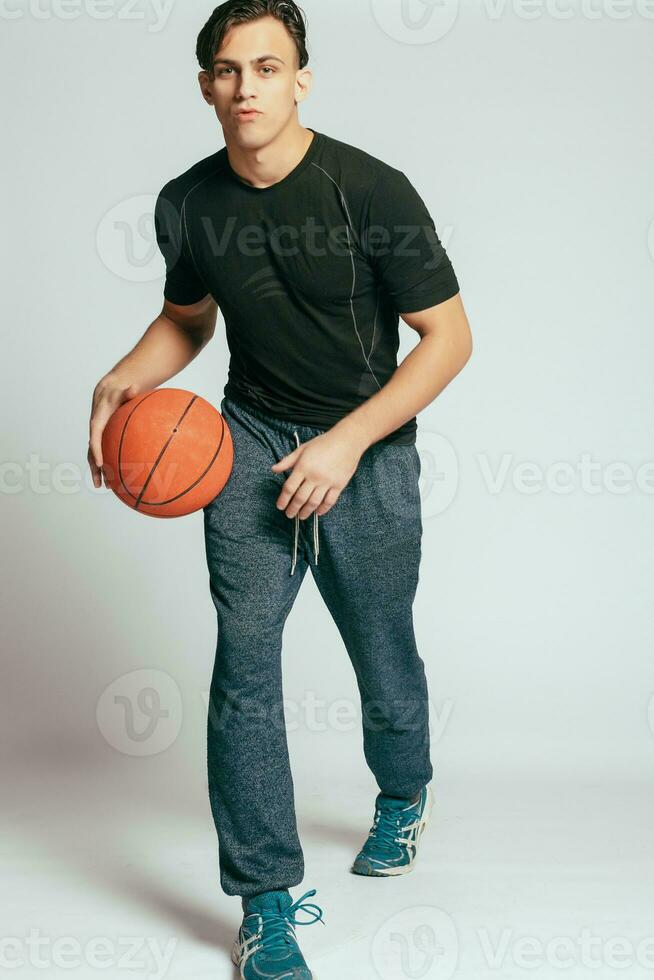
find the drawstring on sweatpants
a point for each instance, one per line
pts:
(296, 527)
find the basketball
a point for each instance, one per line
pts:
(167, 452)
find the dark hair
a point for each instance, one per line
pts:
(234, 12)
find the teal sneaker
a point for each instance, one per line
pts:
(266, 946)
(393, 839)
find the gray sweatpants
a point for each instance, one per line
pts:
(364, 555)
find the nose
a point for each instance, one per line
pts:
(246, 87)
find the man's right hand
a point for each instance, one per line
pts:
(107, 396)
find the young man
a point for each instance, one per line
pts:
(311, 248)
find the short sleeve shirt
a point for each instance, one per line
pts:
(310, 275)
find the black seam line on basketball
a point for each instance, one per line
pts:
(163, 450)
(161, 503)
(120, 444)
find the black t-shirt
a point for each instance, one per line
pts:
(309, 273)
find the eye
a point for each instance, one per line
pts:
(269, 68)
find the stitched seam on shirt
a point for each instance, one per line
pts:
(354, 320)
(374, 326)
(182, 217)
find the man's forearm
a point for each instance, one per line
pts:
(163, 351)
(422, 375)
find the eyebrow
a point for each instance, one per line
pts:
(262, 57)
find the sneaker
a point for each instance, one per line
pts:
(393, 839)
(266, 946)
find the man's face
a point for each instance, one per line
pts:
(244, 78)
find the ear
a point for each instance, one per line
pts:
(303, 84)
(204, 80)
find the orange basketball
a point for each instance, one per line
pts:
(167, 452)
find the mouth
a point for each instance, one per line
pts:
(247, 114)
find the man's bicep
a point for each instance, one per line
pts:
(200, 316)
(448, 322)
(448, 316)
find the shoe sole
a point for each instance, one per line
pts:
(404, 868)
(237, 962)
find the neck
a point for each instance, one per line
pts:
(264, 165)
